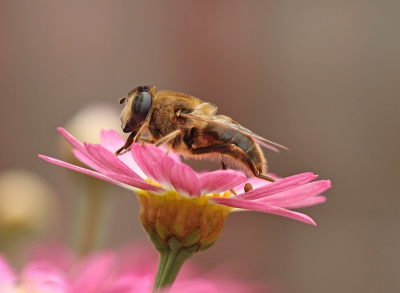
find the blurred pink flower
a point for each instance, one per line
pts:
(130, 270)
(146, 161)
(36, 276)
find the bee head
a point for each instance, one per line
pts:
(137, 108)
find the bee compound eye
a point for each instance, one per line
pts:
(141, 105)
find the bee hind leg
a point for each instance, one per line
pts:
(225, 167)
(234, 152)
(266, 177)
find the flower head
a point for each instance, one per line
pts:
(177, 201)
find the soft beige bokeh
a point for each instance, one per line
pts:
(27, 203)
(86, 126)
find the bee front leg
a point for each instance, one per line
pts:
(140, 131)
(168, 137)
(133, 137)
(127, 146)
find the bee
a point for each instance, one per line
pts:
(191, 127)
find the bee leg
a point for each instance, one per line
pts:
(133, 137)
(168, 137)
(235, 152)
(147, 140)
(118, 152)
(127, 146)
(122, 151)
(225, 167)
(140, 131)
(266, 177)
(168, 150)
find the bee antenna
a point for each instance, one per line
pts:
(122, 100)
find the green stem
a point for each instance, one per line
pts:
(172, 257)
(91, 213)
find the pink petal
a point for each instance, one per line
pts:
(200, 286)
(149, 158)
(79, 169)
(94, 273)
(111, 140)
(297, 194)
(56, 253)
(255, 182)
(135, 182)
(86, 159)
(182, 177)
(43, 276)
(76, 144)
(7, 274)
(48, 286)
(278, 186)
(107, 176)
(306, 203)
(171, 154)
(130, 162)
(263, 207)
(220, 181)
(108, 160)
(131, 283)
(79, 151)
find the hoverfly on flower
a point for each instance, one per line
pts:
(191, 127)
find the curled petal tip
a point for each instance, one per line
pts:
(62, 130)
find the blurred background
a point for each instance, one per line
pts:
(320, 77)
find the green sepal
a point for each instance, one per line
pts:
(202, 248)
(161, 230)
(192, 239)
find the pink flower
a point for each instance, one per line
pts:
(130, 270)
(96, 273)
(36, 276)
(131, 170)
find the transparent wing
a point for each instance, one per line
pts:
(236, 127)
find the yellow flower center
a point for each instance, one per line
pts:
(193, 221)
